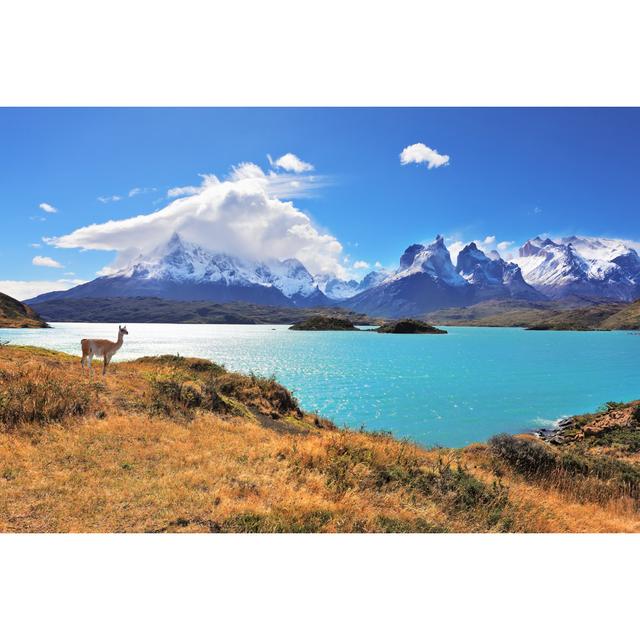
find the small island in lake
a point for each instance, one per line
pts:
(324, 323)
(409, 325)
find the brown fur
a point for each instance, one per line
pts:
(101, 348)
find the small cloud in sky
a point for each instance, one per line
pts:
(37, 218)
(489, 243)
(105, 199)
(378, 264)
(290, 162)
(419, 153)
(46, 261)
(47, 208)
(35, 245)
(136, 191)
(360, 264)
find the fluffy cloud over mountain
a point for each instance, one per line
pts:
(245, 215)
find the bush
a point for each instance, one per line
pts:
(526, 456)
(33, 395)
(604, 477)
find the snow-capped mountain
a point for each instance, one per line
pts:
(433, 260)
(592, 267)
(492, 276)
(182, 270)
(338, 289)
(426, 280)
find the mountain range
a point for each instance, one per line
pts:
(426, 278)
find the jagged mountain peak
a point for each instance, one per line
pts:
(576, 265)
(409, 255)
(433, 259)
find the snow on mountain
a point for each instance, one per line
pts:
(337, 289)
(492, 276)
(433, 260)
(598, 267)
(291, 277)
(424, 281)
(186, 271)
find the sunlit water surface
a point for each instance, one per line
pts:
(435, 389)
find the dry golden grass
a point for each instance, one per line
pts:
(175, 444)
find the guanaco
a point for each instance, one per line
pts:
(105, 348)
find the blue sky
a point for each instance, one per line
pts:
(511, 174)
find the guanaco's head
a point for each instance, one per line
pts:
(123, 331)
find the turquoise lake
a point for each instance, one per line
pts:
(435, 389)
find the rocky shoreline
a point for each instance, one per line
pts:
(613, 415)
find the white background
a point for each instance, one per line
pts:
(318, 53)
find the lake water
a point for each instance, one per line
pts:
(435, 389)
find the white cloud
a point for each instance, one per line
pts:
(243, 215)
(45, 261)
(35, 245)
(421, 154)
(378, 264)
(136, 191)
(455, 246)
(360, 264)
(182, 191)
(105, 199)
(291, 162)
(48, 208)
(25, 289)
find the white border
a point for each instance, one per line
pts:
(335, 52)
(323, 586)
(318, 53)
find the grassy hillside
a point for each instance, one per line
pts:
(626, 318)
(578, 315)
(179, 311)
(181, 444)
(15, 314)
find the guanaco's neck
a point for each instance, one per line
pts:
(120, 339)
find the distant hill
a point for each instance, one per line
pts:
(627, 318)
(577, 314)
(16, 314)
(147, 309)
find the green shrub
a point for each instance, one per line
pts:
(607, 476)
(525, 456)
